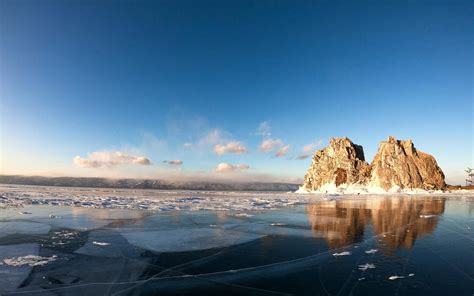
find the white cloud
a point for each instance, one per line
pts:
(213, 137)
(231, 147)
(173, 162)
(283, 151)
(227, 167)
(109, 159)
(188, 145)
(308, 150)
(302, 156)
(269, 145)
(311, 147)
(264, 129)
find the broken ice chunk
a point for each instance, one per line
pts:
(12, 276)
(100, 243)
(31, 260)
(366, 266)
(396, 277)
(24, 213)
(345, 253)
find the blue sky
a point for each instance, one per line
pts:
(145, 77)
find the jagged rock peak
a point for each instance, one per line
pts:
(399, 163)
(341, 162)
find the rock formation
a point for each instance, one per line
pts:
(342, 162)
(397, 164)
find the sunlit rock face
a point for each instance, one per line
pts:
(399, 163)
(341, 162)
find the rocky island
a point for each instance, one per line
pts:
(397, 165)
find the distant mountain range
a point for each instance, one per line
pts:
(145, 183)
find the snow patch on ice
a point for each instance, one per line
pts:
(30, 260)
(371, 251)
(100, 243)
(396, 277)
(366, 266)
(345, 253)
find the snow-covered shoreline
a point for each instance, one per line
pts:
(19, 197)
(357, 189)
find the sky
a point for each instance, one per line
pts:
(244, 90)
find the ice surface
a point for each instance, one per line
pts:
(11, 276)
(188, 239)
(22, 227)
(108, 243)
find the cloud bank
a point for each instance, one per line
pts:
(227, 167)
(269, 145)
(264, 129)
(283, 151)
(109, 159)
(231, 147)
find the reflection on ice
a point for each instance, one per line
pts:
(396, 220)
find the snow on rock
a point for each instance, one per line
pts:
(398, 167)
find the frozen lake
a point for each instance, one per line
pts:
(73, 241)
